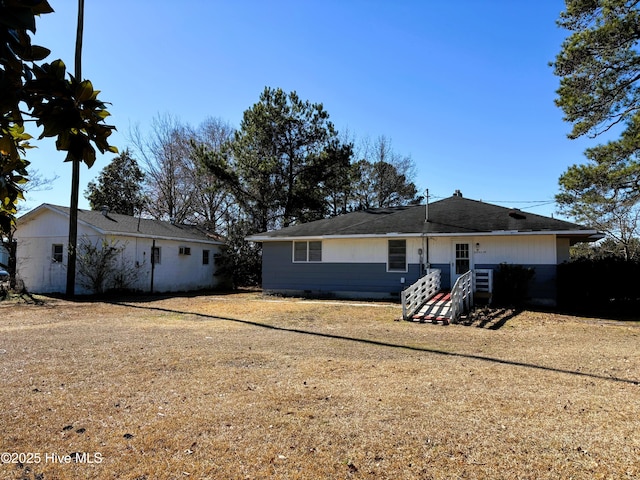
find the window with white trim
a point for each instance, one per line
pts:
(57, 251)
(397, 260)
(307, 251)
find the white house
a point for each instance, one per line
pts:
(164, 257)
(379, 252)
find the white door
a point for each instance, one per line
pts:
(461, 260)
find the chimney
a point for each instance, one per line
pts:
(457, 193)
(105, 210)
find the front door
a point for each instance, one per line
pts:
(461, 260)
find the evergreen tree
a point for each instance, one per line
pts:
(599, 89)
(118, 187)
(279, 162)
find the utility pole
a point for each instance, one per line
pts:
(75, 174)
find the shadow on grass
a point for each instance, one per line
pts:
(489, 318)
(383, 344)
(117, 296)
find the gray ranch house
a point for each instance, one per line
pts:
(378, 253)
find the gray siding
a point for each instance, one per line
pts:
(445, 274)
(542, 288)
(281, 274)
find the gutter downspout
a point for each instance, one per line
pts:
(153, 261)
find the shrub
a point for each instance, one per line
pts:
(598, 283)
(103, 266)
(511, 284)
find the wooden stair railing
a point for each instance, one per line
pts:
(416, 295)
(462, 295)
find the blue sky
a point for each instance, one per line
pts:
(463, 87)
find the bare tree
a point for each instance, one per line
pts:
(39, 183)
(165, 159)
(382, 177)
(178, 185)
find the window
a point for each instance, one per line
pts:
(57, 253)
(205, 257)
(299, 251)
(315, 251)
(397, 256)
(184, 250)
(307, 251)
(155, 255)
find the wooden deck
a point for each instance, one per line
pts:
(438, 309)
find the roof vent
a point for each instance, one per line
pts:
(105, 210)
(457, 193)
(517, 214)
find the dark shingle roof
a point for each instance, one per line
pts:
(117, 224)
(453, 215)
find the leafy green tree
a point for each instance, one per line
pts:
(67, 109)
(118, 186)
(16, 54)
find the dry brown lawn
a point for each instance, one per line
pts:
(246, 387)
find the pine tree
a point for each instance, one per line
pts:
(118, 187)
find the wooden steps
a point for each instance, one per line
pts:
(437, 309)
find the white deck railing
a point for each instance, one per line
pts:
(419, 293)
(462, 295)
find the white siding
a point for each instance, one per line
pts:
(35, 264)
(366, 250)
(517, 249)
(525, 250)
(175, 272)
